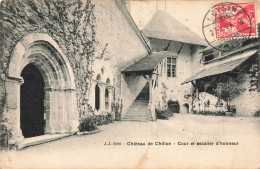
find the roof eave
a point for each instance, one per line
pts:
(197, 44)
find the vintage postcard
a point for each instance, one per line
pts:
(129, 84)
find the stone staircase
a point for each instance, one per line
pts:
(139, 110)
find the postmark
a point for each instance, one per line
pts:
(229, 21)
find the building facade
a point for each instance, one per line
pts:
(61, 61)
(173, 59)
(228, 78)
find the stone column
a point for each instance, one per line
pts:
(12, 86)
(150, 89)
(102, 88)
(49, 128)
(61, 111)
(110, 97)
(197, 93)
(53, 115)
(73, 112)
(66, 110)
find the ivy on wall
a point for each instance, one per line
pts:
(164, 94)
(70, 23)
(254, 75)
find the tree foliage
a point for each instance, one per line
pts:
(228, 90)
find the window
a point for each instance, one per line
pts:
(209, 58)
(171, 67)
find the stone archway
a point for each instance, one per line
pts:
(60, 94)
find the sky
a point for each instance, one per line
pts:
(189, 13)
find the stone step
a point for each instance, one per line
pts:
(139, 105)
(138, 108)
(139, 111)
(40, 140)
(141, 120)
(141, 102)
(136, 112)
(142, 98)
(130, 115)
(135, 116)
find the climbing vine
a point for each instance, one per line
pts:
(254, 75)
(164, 94)
(70, 23)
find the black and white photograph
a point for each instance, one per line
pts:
(129, 84)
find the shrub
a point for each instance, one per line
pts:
(3, 137)
(161, 114)
(211, 113)
(174, 106)
(88, 124)
(116, 107)
(228, 90)
(103, 119)
(5, 134)
(109, 118)
(169, 112)
(118, 116)
(99, 119)
(257, 113)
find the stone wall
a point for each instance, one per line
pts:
(208, 102)
(131, 87)
(184, 67)
(247, 102)
(122, 46)
(90, 37)
(70, 24)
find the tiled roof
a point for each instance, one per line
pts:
(147, 63)
(222, 67)
(164, 26)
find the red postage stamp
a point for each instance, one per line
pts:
(235, 20)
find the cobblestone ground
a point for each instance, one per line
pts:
(90, 152)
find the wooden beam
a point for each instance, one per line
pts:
(193, 84)
(180, 48)
(167, 46)
(145, 77)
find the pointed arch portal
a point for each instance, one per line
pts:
(38, 61)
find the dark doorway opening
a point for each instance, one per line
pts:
(97, 100)
(106, 99)
(186, 108)
(32, 102)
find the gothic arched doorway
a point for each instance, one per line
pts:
(32, 102)
(48, 91)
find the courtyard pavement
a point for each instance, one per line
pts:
(173, 150)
